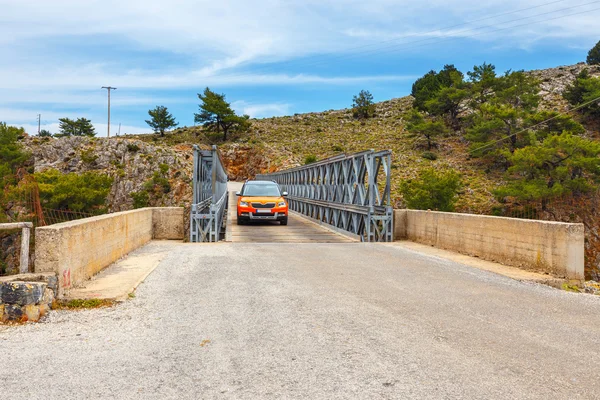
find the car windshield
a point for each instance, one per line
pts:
(261, 189)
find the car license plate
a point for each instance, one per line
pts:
(267, 211)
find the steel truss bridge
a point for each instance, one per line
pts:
(209, 196)
(348, 192)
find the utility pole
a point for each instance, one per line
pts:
(119, 134)
(39, 123)
(109, 88)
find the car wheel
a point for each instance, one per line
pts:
(284, 221)
(240, 221)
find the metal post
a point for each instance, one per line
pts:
(214, 174)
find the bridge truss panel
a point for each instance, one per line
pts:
(349, 192)
(209, 200)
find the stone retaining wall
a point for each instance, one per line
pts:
(78, 250)
(553, 247)
(26, 297)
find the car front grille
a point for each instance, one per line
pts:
(259, 205)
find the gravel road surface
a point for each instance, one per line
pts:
(313, 321)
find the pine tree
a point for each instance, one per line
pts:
(79, 127)
(217, 115)
(585, 89)
(428, 129)
(161, 120)
(362, 105)
(483, 83)
(504, 115)
(593, 57)
(561, 164)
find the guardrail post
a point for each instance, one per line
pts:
(25, 235)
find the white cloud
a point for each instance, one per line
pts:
(60, 50)
(261, 110)
(86, 77)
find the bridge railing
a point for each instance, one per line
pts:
(209, 196)
(348, 192)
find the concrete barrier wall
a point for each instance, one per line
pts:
(553, 247)
(78, 250)
(167, 223)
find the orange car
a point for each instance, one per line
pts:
(261, 201)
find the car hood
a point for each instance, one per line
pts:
(262, 199)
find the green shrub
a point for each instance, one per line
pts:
(133, 148)
(12, 156)
(88, 156)
(140, 199)
(311, 158)
(85, 192)
(428, 155)
(432, 190)
(338, 148)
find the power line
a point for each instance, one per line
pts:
(430, 41)
(446, 37)
(536, 125)
(430, 32)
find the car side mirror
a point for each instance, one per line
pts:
(238, 193)
(284, 194)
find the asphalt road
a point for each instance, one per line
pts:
(313, 321)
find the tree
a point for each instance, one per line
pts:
(433, 190)
(362, 105)
(504, 115)
(424, 89)
(161, 120)
(85, 192)
(12, 155)
(428, 87)
(79, 127)
(448, 102)
(584, 90)
(483, 82)
(430, 130)
(217, 115)
(519, 90)
(45, 133)
(562, 164)
(593, 57)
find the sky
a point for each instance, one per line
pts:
(269, 57)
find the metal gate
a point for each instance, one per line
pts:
(348, 192)
(209, 196)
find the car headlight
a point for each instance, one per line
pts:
(281, 204)
(243, 204)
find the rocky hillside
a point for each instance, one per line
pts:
(130, 162)
(283, 142)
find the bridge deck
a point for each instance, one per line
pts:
(298, 230)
